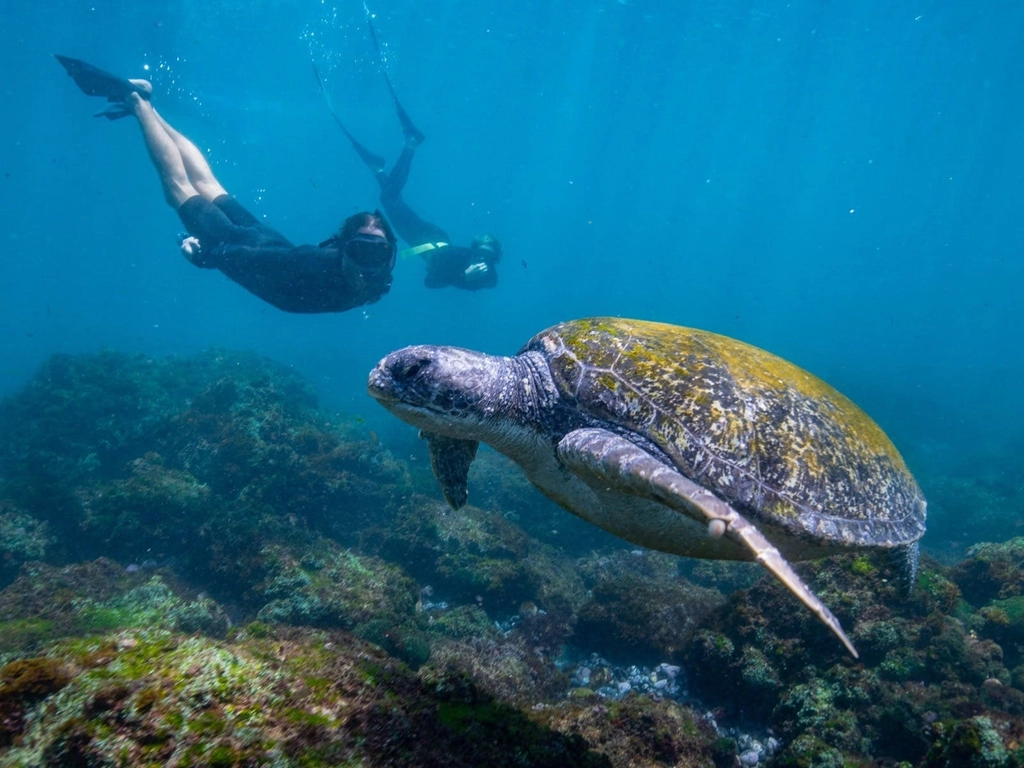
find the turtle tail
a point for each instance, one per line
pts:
(903, 561)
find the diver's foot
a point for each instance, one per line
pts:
(413, 137)
(143, 87)
(374, 162)
(115, 110)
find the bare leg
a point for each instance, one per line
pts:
(164, 153)
(184, 171)
(197, 167)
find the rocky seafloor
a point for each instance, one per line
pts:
(200, 567)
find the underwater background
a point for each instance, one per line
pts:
(835, 183)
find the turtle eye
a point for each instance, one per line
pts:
(409, 369)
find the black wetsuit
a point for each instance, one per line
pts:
(447, 264)
(303, 278)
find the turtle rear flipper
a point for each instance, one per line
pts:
(903, 560)
(602, 459)
(450, 458)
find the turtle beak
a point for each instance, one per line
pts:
(402, 378)
(379, 385)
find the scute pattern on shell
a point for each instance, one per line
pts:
(777, 443)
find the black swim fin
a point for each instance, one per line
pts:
(409, 130)
(114, 111)
(98, 82)
(374, 162)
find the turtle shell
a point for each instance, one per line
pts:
(778, 444)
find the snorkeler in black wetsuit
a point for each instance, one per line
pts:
(348, 270)
(447, 264)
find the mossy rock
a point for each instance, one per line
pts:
(95, 598)
(476, 556)
(298, 698)
(330, 587)
(639, 609)
(971, 743)
(991, 571)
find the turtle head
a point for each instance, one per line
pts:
(453, 396)
(447, 390)
(459, 398)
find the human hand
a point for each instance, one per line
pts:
(191, 249)
(476, 271)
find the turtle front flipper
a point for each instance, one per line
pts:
(450, 458)
(605, 460)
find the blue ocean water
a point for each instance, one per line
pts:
(836, 183)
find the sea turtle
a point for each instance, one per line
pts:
(673, 438)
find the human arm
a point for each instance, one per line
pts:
(459, 267)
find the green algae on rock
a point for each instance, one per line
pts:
(22, 538)
(200, 459)
(919, 667)
(329, 587)
(298, 698)
(47, 603)
(473, 554)
(251, 498)
(639, 608)
(642, 733)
